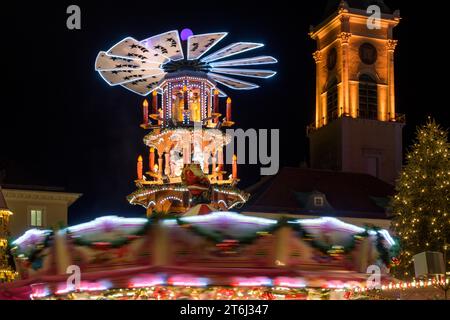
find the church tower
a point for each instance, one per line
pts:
(356, 126)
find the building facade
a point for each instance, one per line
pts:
(37, 207)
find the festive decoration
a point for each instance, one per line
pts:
(145, 112)
(228, 117)
(6, 272)
(155, 102)
(140, 167)
(128, 257)
(30, 247)
(421, 206)
(157, 292)
(234, 169)
(386, 246)
(185, 127)
(139, 66)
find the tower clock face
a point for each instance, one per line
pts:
(331, 59)
(368, 53)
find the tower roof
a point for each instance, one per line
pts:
(332, 5)
(352, 195)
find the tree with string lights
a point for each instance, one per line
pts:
(421, 205)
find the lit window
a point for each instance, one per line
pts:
(318, 201)
(36, 217)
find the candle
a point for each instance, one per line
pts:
(220, 160)
(228, 109)
(152, 159)
(185, 97)
(234, 168)
(216, 103)
(145, 111)
(139, 168)
(161, 115)
(155, 102)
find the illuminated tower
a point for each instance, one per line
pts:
(185, 166)
(6, 273)
(356, 126)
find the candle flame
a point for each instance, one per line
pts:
(228, 100)
(145, 103)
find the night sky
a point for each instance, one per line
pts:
(62, 125)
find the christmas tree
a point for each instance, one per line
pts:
(421, 205)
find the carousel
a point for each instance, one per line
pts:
(191, 245)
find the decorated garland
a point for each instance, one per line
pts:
(34, 256)
(222, 239)
(115, 243)
(386, 255)
(218, 237)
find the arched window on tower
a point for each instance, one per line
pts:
(332, 101)
(368, 98)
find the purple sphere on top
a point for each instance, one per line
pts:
(186, 33)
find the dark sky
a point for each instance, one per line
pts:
(62, 125)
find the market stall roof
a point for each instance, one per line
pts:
(344, 194)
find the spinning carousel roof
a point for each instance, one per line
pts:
(140, 66)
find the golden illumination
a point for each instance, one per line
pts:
(145, 103)
(345, 33)
(5, 212)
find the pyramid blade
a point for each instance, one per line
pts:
(144, 86)
(232, 83)
(199, 44)
(245, 62)
(254, 73)
(105, 62)
(167, 44)
(131, 48)
(115, 77)
(231, 50)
